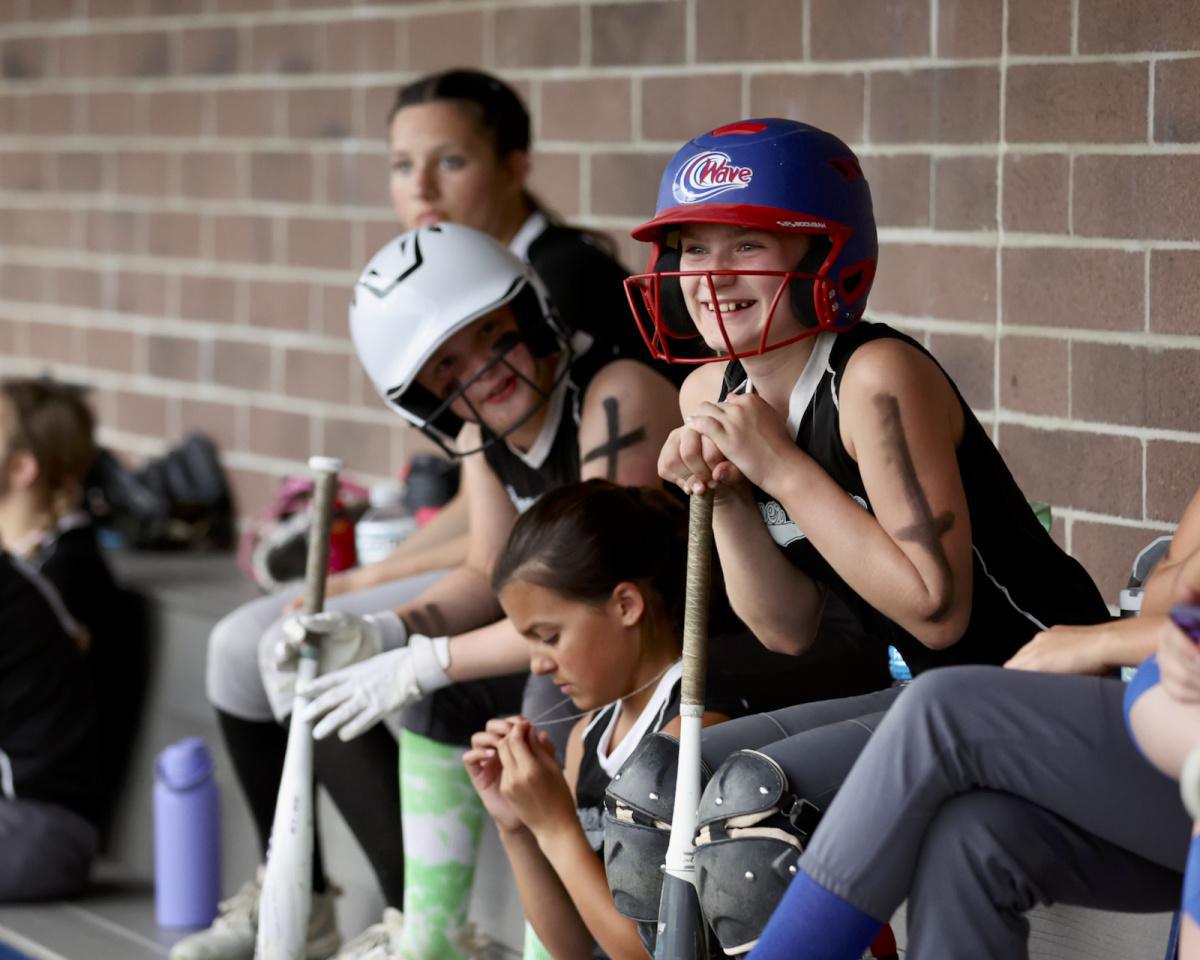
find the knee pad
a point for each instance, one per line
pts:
(638, 806)
(751, 831)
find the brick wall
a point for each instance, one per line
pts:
(188, 186)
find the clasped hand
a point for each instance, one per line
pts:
(743, 436)
(514, 770)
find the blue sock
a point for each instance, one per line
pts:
(811, 923)
(1191, 881)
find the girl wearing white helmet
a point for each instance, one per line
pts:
(459, 148)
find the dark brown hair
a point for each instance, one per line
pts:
(582, 539)
(53, 422)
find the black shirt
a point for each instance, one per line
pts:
(1022, 581)
(47, 715)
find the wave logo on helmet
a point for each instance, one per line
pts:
(708, 174)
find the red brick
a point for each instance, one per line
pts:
(952, 283)
(678, 108)
(527, 37)
(866, 30)
(1172, 476)
(1036, 192)
(372, 108)
(242, 6)
(174, 7)
(1088, 471)
(357, 179)
(110, 349)
(332, 303)
(143, 174)
(140, 413)
(1090, 289)
(1033, 375)
(174, 358)
(752, 30)
(284, 48)
(115, 231)
(949, 105)
(53, 341)
(11, 334)
(555, 181)
(1174, 291)
(969, 28)
(596, 109)
(176, 113)
(362, 46)
(365, 447)
(209, 176)
(113, 8)
(209, 50)
(964, 193)
(218, 421)
(436, 41)
(628, 34)
(140, 55)
(1071, 103)
(247, 113)
(173, 234)
(244, 239)
(321, 114)
(208, 298)
(243, 365)
(1138, 386)
(1177, 101)
(80, 172)
(252, 490)
(23, 281)
(318, 375)
(1114, 26)
(282, 177)
(282, 306)
(625, 184)
(1142, 197)
(1039, 26)
(900, 189)
(77, 288)
(319, 243)
(51, 9)
(23, 58)
(970, 362)
(144, 293)
(279, 433)
(369, 237)
(41, 228)
(24, 171)
(831, 101)
(114, 114)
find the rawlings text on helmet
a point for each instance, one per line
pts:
(708, 174)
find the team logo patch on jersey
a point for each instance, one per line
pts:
(780, 526)
(708, 174)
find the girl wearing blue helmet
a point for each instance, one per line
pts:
(844, 462)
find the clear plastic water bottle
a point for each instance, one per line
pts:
(1131, 606)
(897, 667)
(187, 836)
(386, 524)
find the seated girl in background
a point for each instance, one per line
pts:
(592, 576)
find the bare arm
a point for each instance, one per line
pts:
(1163, 587)
(911, 557)
(628, 412)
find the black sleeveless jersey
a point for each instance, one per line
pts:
(593, 779)
(1022, 581)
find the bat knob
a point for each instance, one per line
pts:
(325, 464)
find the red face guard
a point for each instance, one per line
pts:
(662, 323)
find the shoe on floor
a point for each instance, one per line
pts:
(232, 934)
(380, 941)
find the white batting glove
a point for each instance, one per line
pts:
(344, 639)
(354, 699)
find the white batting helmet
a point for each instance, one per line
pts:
(421, 289)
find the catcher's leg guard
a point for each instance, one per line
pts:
(638, 807)
(751, 832)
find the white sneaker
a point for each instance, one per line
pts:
(232, 934)
(380, 941)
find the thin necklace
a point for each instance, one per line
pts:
(582, 713)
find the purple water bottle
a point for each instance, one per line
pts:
(187, 836)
